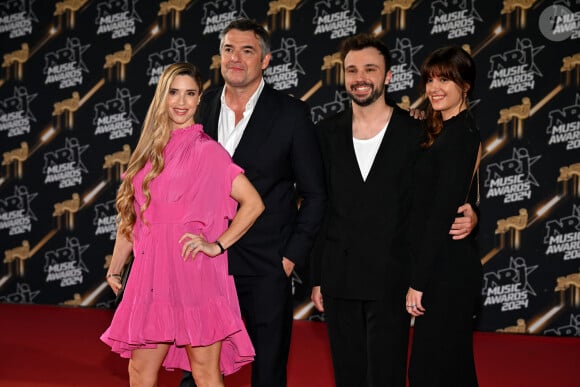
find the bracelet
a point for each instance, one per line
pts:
(114, 275)
(222, 250)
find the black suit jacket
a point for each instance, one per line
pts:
(361, 251)
(280, 155)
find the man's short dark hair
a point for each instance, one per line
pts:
(362, 41)
(249, 25)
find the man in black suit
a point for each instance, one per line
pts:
(272, 137)
(360, 259)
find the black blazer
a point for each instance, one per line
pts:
(280, 154)
(361, 249)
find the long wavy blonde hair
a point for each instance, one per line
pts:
(152, 141)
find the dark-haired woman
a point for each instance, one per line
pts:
(446, 274)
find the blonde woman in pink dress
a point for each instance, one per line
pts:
(181, 204)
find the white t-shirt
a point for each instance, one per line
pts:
(366, 151)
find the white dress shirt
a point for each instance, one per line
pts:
(230, 134)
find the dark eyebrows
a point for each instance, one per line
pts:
(245, 47)
(366, 66)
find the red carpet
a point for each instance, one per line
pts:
(49, 346)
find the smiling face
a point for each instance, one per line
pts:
(448, 77)
(445, 96)
(182, 99)
(241, 59)
(365, 76)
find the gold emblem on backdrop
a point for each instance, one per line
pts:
(173, 8)
(117, 161)
(16, 58)
(68, 8)
(569, 64)
(516, 114)
(15, 258)
(67, 107)
(75, 301)
(520, 327)
(333, 69)
(569, 284)
(215, 69)
(568, 293)
(67, 208)
(570, 175)
(405, 103)
(283, 9)
(399, 8)
(117, 61)
(520, 8)
(512, 225)
(17, 157)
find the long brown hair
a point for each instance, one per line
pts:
(455, 64)
(154, 136)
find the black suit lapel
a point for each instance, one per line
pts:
(211, 114)
(346, 149)
(259, 126)
(381, 159)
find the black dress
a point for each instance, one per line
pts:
(448, 272)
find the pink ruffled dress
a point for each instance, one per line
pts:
(167, 299)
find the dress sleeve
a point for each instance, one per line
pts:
(218, 163)
(452, 157)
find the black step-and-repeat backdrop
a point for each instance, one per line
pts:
(77, 77)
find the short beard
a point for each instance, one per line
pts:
(375, 95)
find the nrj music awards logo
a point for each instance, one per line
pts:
(515, 70)
(564, 126)
(512, 179)
(15, 113)
(65, 66)
(65, 165)
(16, 17)
(117, 18)
(563, 235)
(559, 23)
(328, 109)
(105, 219)
(217, 14)
(16, 216)
(158, 61)
(115, 116)
(284, 68)
(22, 295)
(572, 329)
(338, 18)
(456, 19)
(509, 287)
(403, 65)
(65, 265)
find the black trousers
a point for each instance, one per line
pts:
(368, 341)
(266, 306)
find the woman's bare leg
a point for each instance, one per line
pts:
(144, 365)
(205, 365)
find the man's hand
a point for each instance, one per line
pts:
(316, 298)
(288, 266)
(463, 225)
(417, 114)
